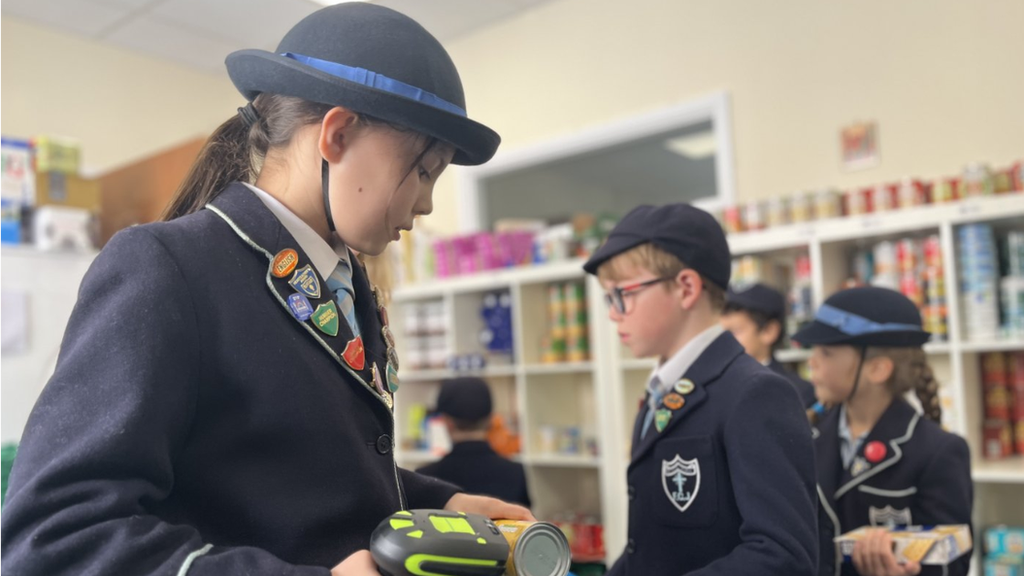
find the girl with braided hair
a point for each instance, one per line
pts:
(881, 462)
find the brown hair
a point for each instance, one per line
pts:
(910, 371)
(660, 263)
(236, 152)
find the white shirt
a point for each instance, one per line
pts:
(322, 255)
(665, 376)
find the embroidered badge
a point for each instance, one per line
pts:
(681, 481)
(673, 401)
(889, 516)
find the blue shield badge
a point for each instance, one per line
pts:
(681, 481)
(304, 280)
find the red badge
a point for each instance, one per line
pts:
(874, 452)
(284, 263)
(354, 355)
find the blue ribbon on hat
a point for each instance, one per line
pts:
(378, 81)
(854, 325)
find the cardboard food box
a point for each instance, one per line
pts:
(69, 190)
(928, 545)
(57, 154)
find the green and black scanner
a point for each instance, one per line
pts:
(438, 543)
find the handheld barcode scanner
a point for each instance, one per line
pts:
(438, 543)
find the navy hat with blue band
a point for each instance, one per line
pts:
(686, 232)
(375, 61)
(758, 298)
(865, 316)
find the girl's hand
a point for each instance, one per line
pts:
(487, 506)
(872, 556)
(358, 564)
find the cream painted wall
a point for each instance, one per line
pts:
(942, 77)
(121, 105)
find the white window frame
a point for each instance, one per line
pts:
(715, 107)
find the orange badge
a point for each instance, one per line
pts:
(673, 401)
(284, 263)
(354, 355)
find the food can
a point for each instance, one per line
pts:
(801, 208)
(535, 548)
(857, 202)
(912, 192)
(827, 204)
(731, 220)
(977, 181)
(946, 190)
(883, 198)
(753, 216)
(777, 212)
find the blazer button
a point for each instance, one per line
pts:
(631, 546)
(632, 492)
(384, 444)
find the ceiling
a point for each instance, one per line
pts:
(201, 33)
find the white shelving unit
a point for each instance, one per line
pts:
(602, 396)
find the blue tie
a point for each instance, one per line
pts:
(340, 283)
(654, 399)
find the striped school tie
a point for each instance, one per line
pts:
(340, 283)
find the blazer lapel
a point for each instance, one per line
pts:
(297, 286)
(893, 429)
(703, 373)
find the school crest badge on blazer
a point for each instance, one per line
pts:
(681, 481)
(889, 516)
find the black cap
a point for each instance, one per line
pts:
(464, 398)
(757, 298)
(686, 232)
(865, 316)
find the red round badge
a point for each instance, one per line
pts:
(874, 452)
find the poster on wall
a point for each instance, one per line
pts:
(14, 321)
(859, 145)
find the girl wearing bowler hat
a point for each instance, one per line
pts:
(880, 462)
(223, 399)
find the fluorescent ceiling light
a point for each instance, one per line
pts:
(699, 145)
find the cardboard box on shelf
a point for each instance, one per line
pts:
(69, 190)
(57, 154)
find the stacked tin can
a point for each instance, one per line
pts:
(577, 342)
(1002, 379)
(979, 278)
(933, 307)
(1013, 286)
(568, 337)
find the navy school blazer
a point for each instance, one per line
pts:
(193, 421)
(923, 478)
(727, 487)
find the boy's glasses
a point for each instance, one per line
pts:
(616, 297)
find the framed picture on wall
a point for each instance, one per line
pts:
(859, 145)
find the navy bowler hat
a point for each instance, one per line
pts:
(686, 232)
(758, 298)
(464, 398)
(375, 61)
(865, 316)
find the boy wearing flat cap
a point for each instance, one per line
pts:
(465, 405)
(721, 478)
(756, 316)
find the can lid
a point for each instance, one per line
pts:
(542, 550)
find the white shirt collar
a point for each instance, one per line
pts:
(323, 256)
(666, 375)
